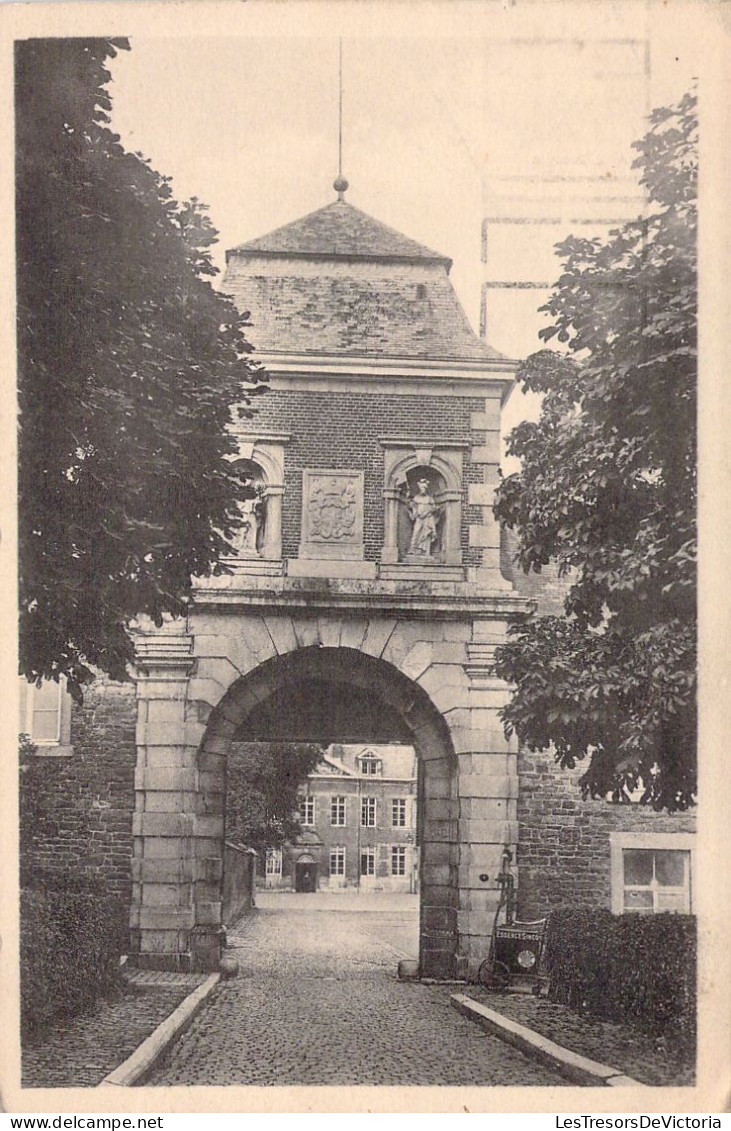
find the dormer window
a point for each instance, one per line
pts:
(370, 766)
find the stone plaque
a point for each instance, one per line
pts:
(332, 514)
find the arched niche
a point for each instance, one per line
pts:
(260, 463)
(421, 517)
(423, 505)
(250, 539)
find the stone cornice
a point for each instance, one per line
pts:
(417, 260)
(246, 429)
(465, 601)
(325, 373)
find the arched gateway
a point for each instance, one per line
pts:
(369, 569)
(235, 676)
(394, 707)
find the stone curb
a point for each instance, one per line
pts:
(146, 1055)
(579, 1069)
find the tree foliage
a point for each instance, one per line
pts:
(607, 489)
(128, 363)
(263, 780)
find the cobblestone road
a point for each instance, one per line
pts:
(317, 1002)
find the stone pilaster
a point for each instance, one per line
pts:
(167, 867)
(488, 793)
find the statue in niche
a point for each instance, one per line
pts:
(423, 512)
(252, 517)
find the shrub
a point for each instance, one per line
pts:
(71, 939)
(636, 969)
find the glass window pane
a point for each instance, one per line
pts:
(637, 866)
(670, 868)
(45, 726)
(638, 900)
(46, 697)
(672, 900)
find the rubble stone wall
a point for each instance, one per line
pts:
(76, 808)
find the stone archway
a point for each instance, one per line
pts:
(396, 701)
(199, 682)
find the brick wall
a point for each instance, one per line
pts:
(76, 810)
(341, 430)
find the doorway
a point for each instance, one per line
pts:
(305, 875)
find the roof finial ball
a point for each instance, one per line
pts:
(341, 186)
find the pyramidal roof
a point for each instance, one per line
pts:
(339, 282)
(342, 231)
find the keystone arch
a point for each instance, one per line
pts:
(401, 711)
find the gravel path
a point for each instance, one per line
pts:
(318, 1002)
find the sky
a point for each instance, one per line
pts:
(443, 122)
(251, 127)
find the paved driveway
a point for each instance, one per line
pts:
(318, 1002)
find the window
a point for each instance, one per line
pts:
(274, 862)
(307, 811)
(398, 812)
(368, 862)
(651, 872)
(368, 812)
(398, 860)
(337, 810)
(45, 712)
(656, 880)
(337, 861)
(370, 766)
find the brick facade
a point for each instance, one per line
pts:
(342, 429)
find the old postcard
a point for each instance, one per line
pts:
(357, 475)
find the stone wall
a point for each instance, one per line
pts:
(76, 809)
(563, 842)
(563, 854)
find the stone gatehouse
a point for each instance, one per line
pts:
(366, 595)
(363, 604)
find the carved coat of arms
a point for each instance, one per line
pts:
(332, 510)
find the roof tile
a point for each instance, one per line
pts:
(342, 230)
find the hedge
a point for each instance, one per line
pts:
(71, 940)
(635, 969)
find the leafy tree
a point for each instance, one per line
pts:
(607, 489)
(128, 363)
(262, 785)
